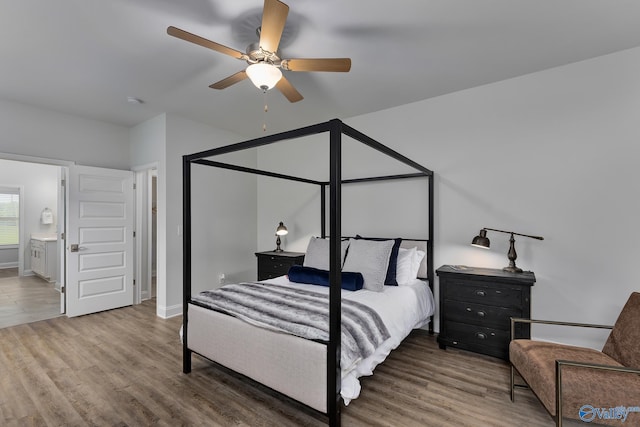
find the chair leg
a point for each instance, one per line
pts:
(511, 382)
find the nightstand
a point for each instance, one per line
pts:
(476, 305)
(273, 264)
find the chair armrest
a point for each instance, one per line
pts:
(515, 320)
(561, 363)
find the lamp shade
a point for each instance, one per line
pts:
(264, 76)
(481, 240)
(281, 230)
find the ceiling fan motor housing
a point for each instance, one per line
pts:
(256, 54)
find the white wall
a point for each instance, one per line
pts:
(224, 207)
(40, 190)
(32, 131)
(364, 212)
(552, 153)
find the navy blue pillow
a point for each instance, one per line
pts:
(350, 281)
(390, 280)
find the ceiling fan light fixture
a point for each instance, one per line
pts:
(264, 76)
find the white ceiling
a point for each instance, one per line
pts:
(85, 57)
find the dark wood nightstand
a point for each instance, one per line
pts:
(273, 264)
(476, 305)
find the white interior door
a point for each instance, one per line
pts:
(99, 243)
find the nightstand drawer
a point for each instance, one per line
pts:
(477, 335)
(264, 275)
(481, 292)
(479, 314)
(277, 268)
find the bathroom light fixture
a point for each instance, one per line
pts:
(482, 241)
(280, 231)
(46, 217)
(264, 75)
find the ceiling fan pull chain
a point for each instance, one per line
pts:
(264, 114)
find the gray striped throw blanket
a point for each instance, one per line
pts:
(302, 313)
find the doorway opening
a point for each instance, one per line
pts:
(147, 232)
(30, 274)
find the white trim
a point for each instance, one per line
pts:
(146, 167)
(167, 312)
(8, 265)
(63, 197)
(140, 180)
(33, 159)
(143, 242)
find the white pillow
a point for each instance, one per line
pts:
(404, 265)
(317, 255)
(371, 259)
(409, 261)
(417, 260)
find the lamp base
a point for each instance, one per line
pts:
(280, 250)
(512, 269)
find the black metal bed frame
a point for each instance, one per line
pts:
(336, 129)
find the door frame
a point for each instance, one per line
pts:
(62, 220)
(143, 242)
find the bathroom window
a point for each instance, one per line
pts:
(9, 217)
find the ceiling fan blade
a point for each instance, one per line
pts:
(288, 90)
(274, 17)
(231, 80)
(320, 64)
(184, 35)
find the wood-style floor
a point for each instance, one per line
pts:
(123, 368)
(26, 299)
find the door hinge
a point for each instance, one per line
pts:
(63, 182)
(134, 282)
(62, 289)
(62, 236)
(134, 233)
(134, 185)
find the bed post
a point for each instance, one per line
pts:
(323, 211)
(186, 260)
(335, 259)
(430, 272)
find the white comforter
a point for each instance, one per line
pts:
(402, 309)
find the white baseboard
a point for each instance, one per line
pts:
(8, 265)
(167, 312)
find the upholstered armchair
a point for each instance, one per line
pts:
(584, 384)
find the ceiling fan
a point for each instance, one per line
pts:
(264, 58)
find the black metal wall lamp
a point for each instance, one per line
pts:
(482, 241)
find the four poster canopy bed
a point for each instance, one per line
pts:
(309, 342)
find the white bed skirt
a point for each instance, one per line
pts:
(293, 366)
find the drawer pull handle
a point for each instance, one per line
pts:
(481, 335)
(480, 293)
(482, 313)
(468, 309)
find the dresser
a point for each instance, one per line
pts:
(273, 264)
(476, 305)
